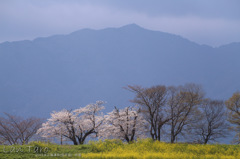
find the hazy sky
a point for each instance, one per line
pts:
(212, 22)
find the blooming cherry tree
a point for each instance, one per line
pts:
(126, 124)
(74, 125)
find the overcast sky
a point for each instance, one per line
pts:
(212, 22)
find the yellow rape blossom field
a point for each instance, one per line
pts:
(150, 150)
(116, 149)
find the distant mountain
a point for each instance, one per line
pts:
(68, 71)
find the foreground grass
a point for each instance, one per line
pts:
(42, 151)
(116, 149)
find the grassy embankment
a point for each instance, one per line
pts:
(116, 149)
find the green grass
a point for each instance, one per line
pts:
(43, 151)
(117, 149)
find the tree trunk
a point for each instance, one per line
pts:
(159, 134)
(74, 141)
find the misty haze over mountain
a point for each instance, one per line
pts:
(68, 71)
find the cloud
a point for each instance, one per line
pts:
(202, 30)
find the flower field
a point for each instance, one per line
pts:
(151, 150)
(116, 149)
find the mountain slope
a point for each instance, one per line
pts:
(68, 71)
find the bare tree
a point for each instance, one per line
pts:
(153, 105)
(16, 130)
(233, 106)
(211, 122)
(183, 102)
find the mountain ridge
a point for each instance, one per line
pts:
(68, 71)
(133, 25)
(129, 26)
